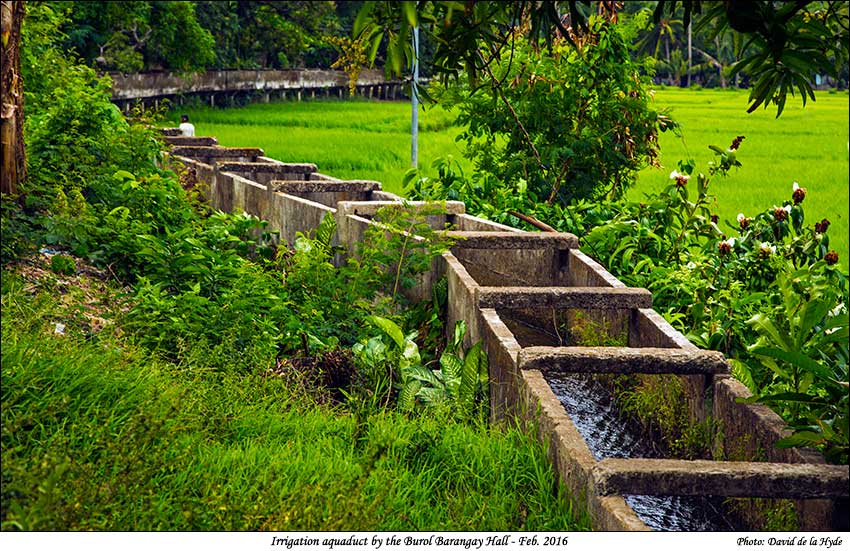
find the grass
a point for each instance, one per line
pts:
(354, 139)
(97, 435)
(371, 140)
(808, 145)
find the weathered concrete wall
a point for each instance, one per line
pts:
(160, 84)
(497, 277)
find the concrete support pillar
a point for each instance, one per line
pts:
(340, 93)
(313, 93)
(266, 97)
(212, 100)
(299, 95)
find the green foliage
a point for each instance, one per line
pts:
(143, 35)
(402, 244)
(770, 298)
(192, 36)
(61, 264)
(802, 353)
(97, 435)
(605, 129)
(460, 383)
(660, 405)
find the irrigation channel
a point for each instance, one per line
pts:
(609, 435)
(593, 442)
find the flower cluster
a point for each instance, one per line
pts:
(781, 213)
(681, 179)
(822, 226)
(766, 249)
(799, 193)
(831, 258)
(736, 143)
(725, 247)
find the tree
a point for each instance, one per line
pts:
(131, 36)
(785, 43)
(13, 170)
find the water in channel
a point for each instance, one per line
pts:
(591, 407)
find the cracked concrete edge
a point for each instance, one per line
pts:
(564, 297)
(673, 477)
(620, 359)
(512, 240)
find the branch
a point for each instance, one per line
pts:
(533, 221)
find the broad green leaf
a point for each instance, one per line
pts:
(451, 365)
(460, 331)
(407, 396)
(798, 359)
(798, 439)
(409, 9)
(431, 395)
(425, 375)
(390, 328)
(765, 327)
(813, 312)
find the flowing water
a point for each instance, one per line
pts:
(591, 407)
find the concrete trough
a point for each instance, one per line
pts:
(720, 478)
(217, 153)
(181, 140)
(328, 193)
(623, 360)
(495, 272)
(264, 172)
(564, 297)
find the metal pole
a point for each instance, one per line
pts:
(414, 101)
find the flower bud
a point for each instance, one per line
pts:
(681, 179)
(736, 143)
(725, 247)
(799, 193)
(831, 258)
(743, 221)
(780, 214)
(822, 226)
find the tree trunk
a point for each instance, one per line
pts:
(13, 169)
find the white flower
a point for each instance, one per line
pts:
(676, 175)
(787, 208)
(795, 187)
(767, 248)
(741, 217)
(691, 265)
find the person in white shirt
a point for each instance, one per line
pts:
(186, 127)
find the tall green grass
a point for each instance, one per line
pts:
(371, 140)
(97, 435)
(354, 139)
(808, 145)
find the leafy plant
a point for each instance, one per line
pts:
(460, 382)
(803, 345)
(604, 131)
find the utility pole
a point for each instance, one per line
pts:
(414, 102)
(690, 52)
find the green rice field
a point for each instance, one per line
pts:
(371, 140)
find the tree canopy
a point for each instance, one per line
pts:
(782, 46)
